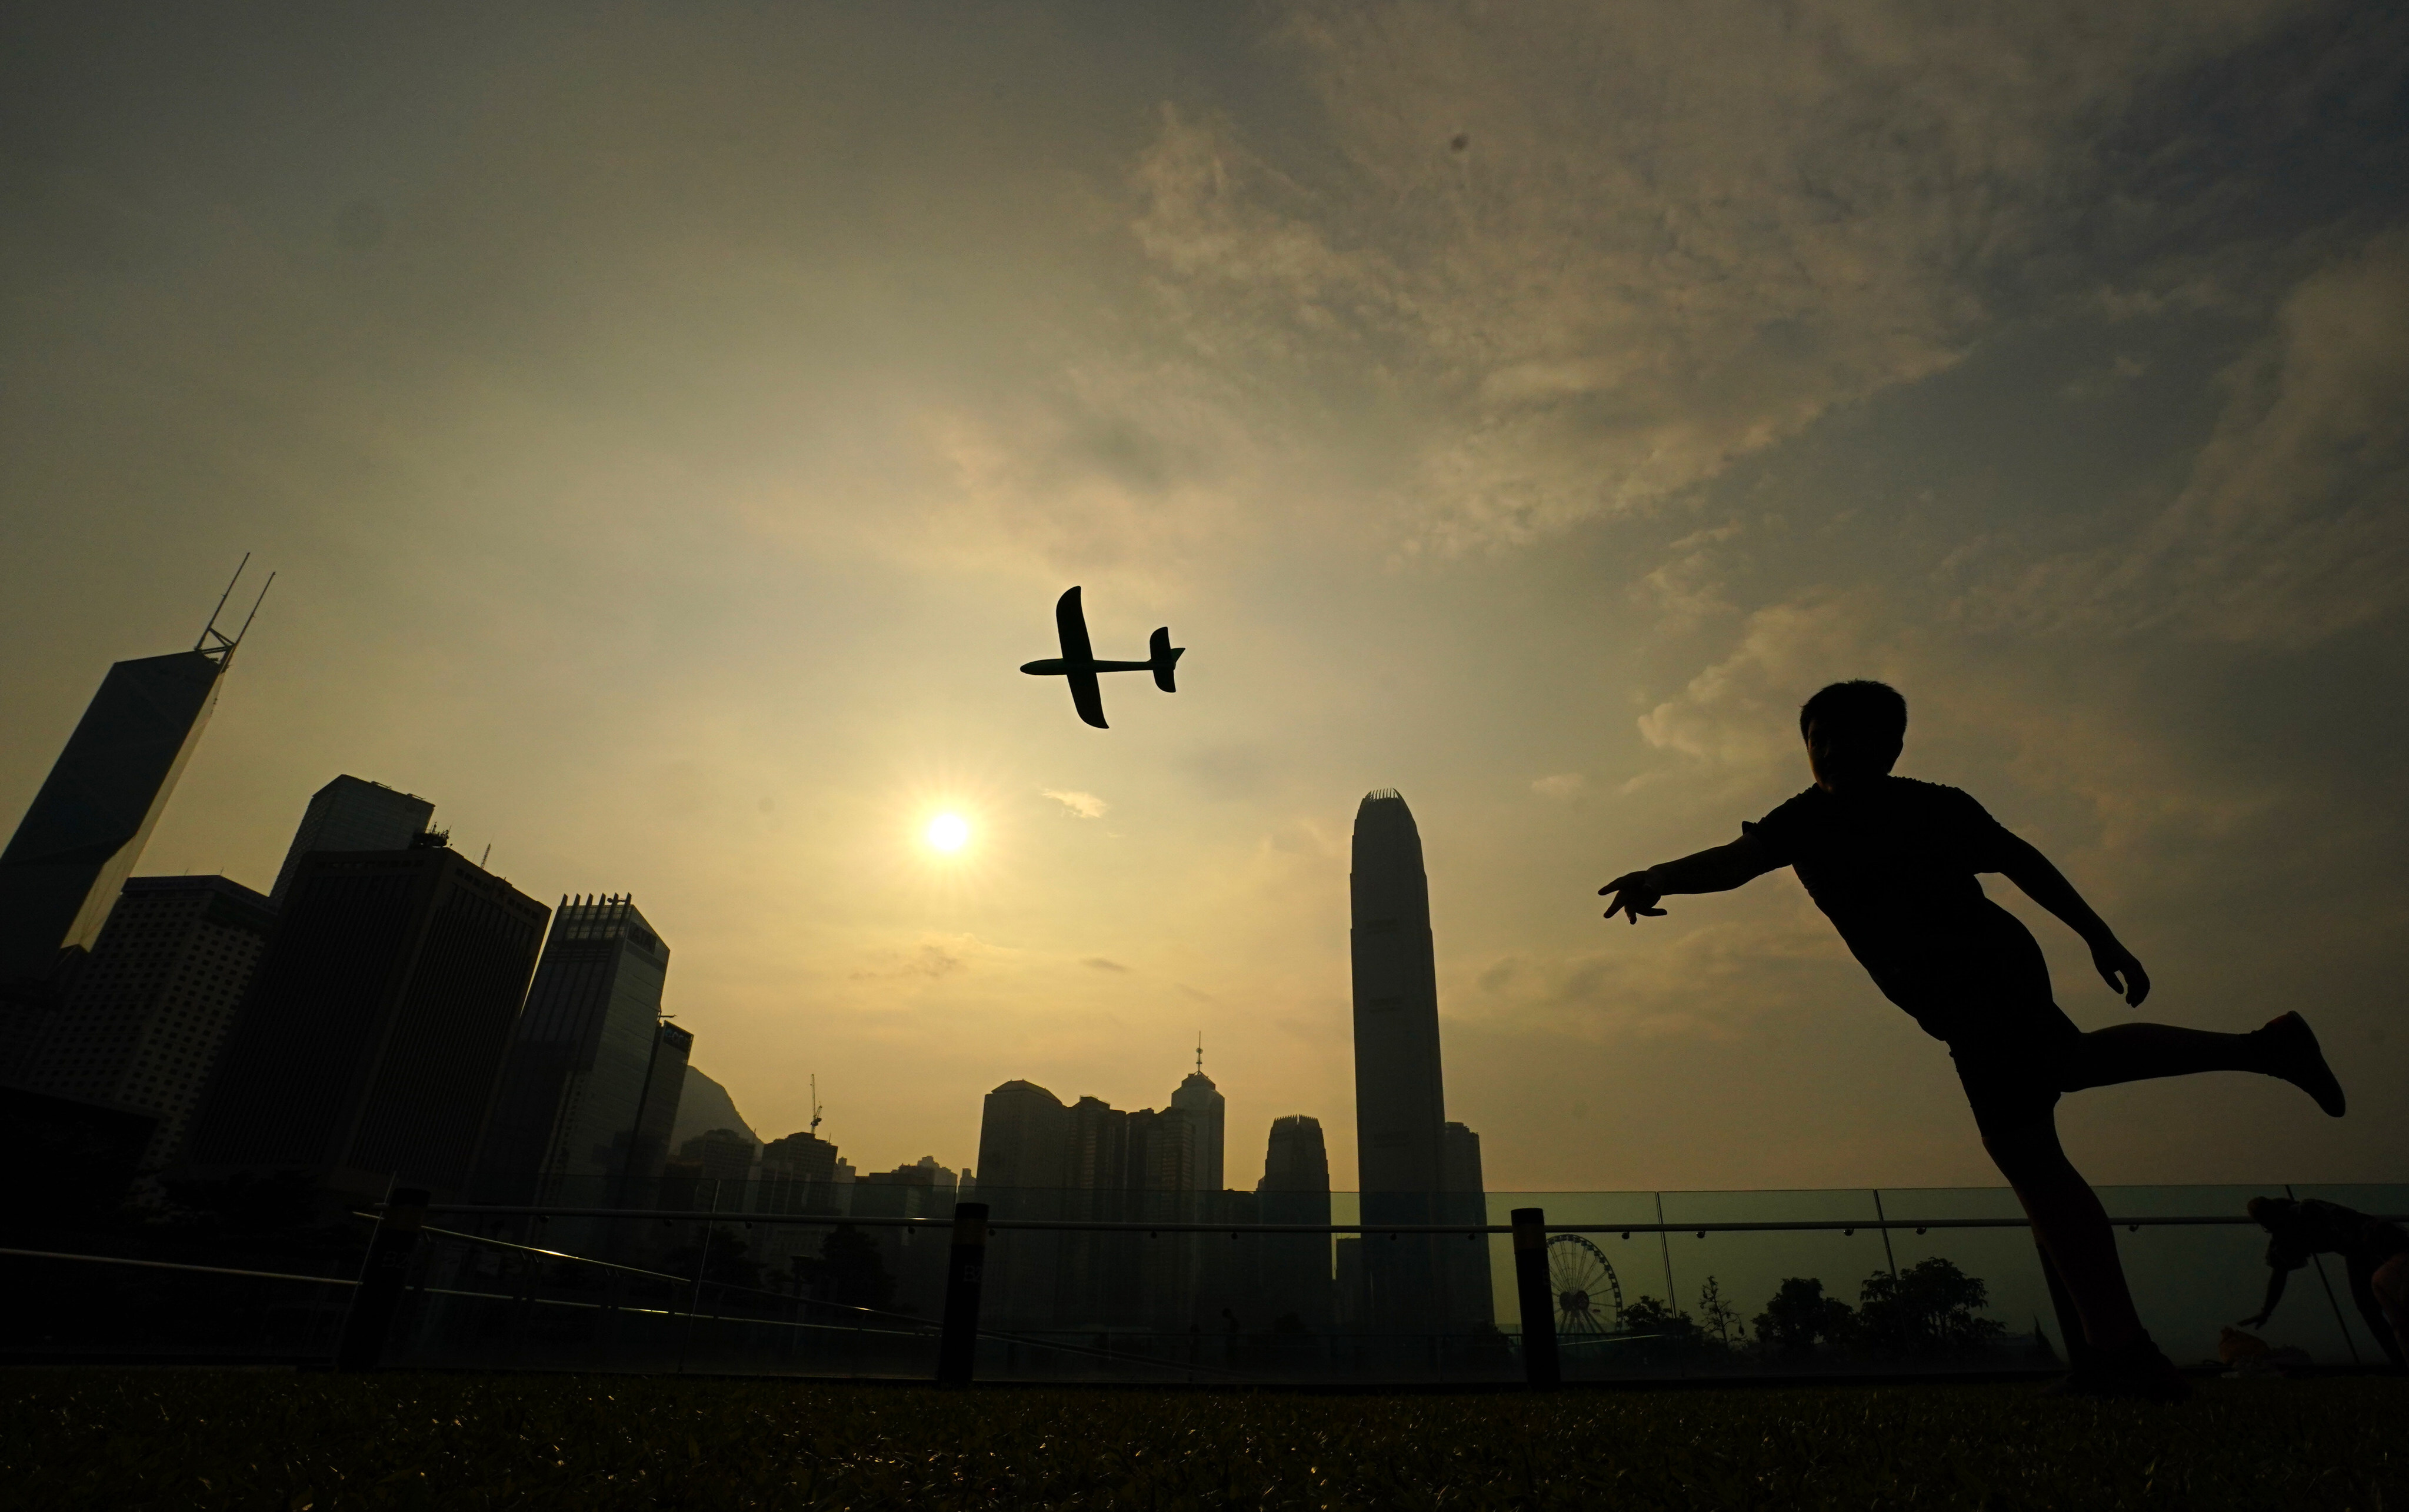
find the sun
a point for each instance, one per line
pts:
(947, 832)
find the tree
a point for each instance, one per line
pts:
(849, 1271)
(1649, 1315)
(1799, 1316)
(1929, 1308)
(729, 1263)
(1720, 1317)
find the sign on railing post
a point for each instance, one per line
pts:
(378, 1293)
(1539, 1301)
(965, 1266)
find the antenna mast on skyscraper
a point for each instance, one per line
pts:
(215, 643)
(1200, 1052)
(814, 1129)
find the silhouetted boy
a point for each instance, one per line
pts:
(1892, 862)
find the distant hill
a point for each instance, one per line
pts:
(703, 1106)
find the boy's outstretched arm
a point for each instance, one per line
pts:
(2046, 884)
(1719, 870)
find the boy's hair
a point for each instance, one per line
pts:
(1861, 708)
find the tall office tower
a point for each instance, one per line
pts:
(351, 813)
(142, 1024)
(1471, 1303)
(564, 1128)
(1200, 1100)
(1400, 1107)
(656, 1116)
(78, 842)
(372, 1043)
(1294, 1269)
(1024, 1133)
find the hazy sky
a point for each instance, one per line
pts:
(672, 425)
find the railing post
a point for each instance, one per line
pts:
(1539, 1363)
(378, 1296)
(965, 1268)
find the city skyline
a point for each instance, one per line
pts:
(673, 442)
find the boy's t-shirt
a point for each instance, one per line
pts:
(1893, 865)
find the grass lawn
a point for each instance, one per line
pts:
(140, 1439)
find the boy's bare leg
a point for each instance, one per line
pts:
(2070, 1225)
(2286, 1048)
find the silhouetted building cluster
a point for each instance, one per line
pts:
(392, 1013)
(370, 1021)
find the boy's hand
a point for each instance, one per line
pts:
(2120, 970)
(1634, 895)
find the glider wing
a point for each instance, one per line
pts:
(1078, 658)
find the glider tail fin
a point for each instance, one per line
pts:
(1163, 657)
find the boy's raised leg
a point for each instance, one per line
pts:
(2286, 1048)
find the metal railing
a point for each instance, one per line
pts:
(440, 1305)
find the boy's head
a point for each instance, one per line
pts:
(1854, 731)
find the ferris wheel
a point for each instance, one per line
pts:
(1589, 1297)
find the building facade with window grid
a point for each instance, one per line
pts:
(143, 1024)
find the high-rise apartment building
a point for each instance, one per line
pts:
(721, 1156)
(351, 813)
(1402, 1144)
(1093, 1162)
(372, 1043)
(141, 1027)
(581, 1064)
(802, 1156)
(1024, 1133)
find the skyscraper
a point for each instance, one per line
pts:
(372, 1043)
(1400, 1107)
(1402, 1143)
(1198, 1098)
(1023, 1137)
(351, 813)
(143, 1023)
(1295, 1280)
(1470, 1301)
(78, 842)
(564, 1129)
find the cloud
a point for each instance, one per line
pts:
(2290, 527)
(1743, 709)
(1100, 963)
(1082, 805)
(1675, 237)
(933, 958)
(1564, 786)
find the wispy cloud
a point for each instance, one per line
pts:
(1100, 963)
(1083, 805)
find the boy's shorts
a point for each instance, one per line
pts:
(2012, 1075)
(2015, 1049)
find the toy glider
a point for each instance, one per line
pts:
(1078, 666)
